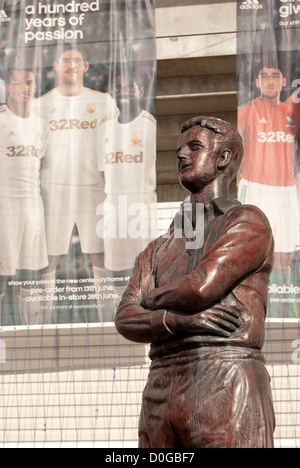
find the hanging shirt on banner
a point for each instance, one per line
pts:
(127, 159)
(126, 153)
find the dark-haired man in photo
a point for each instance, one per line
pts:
(23, 138)
(203, 309)
(71, 184)
(269, 129)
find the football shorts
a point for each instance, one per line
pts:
(280, 205)
(22, 235)
(66, 206)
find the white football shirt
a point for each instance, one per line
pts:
(73, 121)
(22, 146)
(126, 154)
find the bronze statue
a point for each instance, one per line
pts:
(203, 309)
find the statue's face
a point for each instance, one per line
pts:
(197, 158)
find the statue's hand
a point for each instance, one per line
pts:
(210, 321)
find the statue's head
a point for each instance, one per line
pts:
(208, 149)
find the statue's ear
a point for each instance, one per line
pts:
(224, 159)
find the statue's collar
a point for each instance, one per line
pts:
(221, 205)
(212, 210)
(224, 204)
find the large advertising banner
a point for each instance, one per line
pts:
(268, 68)
(77, 155)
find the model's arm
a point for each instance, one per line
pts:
(241, 249)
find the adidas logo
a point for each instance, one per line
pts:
(251, 5)
(263, 121)
(3, 17)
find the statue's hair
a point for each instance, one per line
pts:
(231, 139)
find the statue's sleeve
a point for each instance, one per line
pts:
(132, 320)
(241, 247)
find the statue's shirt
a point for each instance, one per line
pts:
(229, 272)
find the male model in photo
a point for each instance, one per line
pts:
(72, 186)
(203, 309)
(23, 136)
(269, 129)
(294, 101)
(127, 157)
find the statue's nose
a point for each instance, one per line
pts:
(181, 156)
